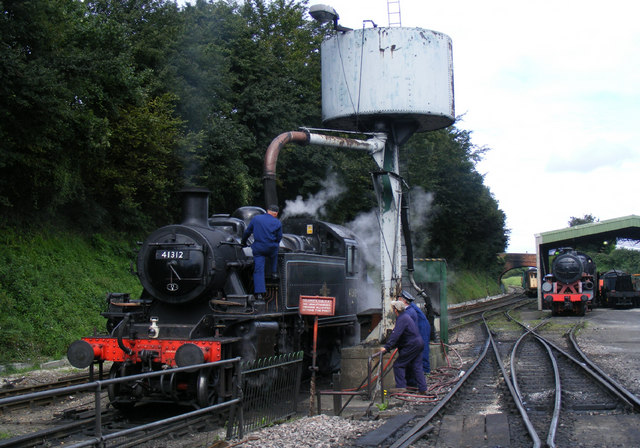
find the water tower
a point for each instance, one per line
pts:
(395, 81)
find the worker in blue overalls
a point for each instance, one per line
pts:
(267, 233)
(407, 338)
(423, 326)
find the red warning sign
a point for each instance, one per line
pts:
(317, 305)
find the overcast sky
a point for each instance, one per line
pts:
(553, 89)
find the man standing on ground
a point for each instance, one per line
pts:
(410, 345)
(267, 233)
(423, 326)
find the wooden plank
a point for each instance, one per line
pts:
(450, 431)
(375, 438)
(473, 431)
(497, 428)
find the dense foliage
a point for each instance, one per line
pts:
(619, 258)
(463, 222)
(107, 107)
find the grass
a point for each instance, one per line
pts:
(499, 322)
(465, 285)
(53, 287)
(515, 280)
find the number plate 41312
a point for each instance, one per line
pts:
(172, 255)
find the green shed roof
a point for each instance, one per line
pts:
(627, 227)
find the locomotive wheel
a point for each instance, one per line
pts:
(207, 387)
(118, 399)
(582, 309)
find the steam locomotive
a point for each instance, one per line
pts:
(571, 285)
(197, 303)
(617, 289)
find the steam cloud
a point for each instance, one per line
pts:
(419, 207)
(315, 203)
(366, 225)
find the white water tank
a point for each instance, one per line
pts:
(389, 76)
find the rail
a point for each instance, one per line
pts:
(98, 387)
(590, 369)
(421, 428)
(586, 366)
(630, 397)
(553, 425)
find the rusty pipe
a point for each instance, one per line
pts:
(376, 144)
(271, 159)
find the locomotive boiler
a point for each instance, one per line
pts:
(197, 304)
(571, 285)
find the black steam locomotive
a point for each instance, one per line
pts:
(571, 285)
(198, 305)
(617, 289)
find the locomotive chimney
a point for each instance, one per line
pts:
(195, 206)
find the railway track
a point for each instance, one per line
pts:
(470, 313)
(118, 429)
(482, 409)
(561, 390)
(508, 396)
(24, 391)
(85, 418)
(527, 387)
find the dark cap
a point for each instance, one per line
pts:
(273, 208)
(407, 296)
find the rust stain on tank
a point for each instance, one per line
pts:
(425, 37)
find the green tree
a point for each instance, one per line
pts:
(245, 74)
(464, 223)
(75, 74)
(40, 114)
(277, 87)
(214, 148)
(586, 219)
(140, 173)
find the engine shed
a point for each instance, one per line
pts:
(611, 230)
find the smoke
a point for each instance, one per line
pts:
(367, 227)
(314, 205)
(419, 208)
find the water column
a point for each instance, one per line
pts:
(396, 81)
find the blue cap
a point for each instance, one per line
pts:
(407, 296)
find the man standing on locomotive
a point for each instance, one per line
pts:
(423, 326)
(267, 233)
(410, 345)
